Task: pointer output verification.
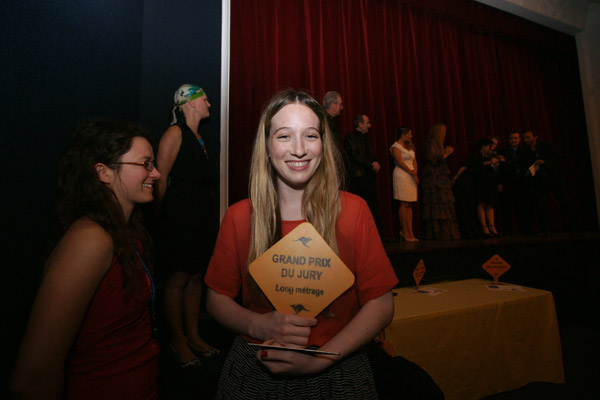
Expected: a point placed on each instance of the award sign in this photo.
(301, 274)
(418, 272)
(496, 266)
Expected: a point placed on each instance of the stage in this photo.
(565, 264)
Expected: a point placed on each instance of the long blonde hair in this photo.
(321, 203)
(438, 133)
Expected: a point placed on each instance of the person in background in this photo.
(405, 180)
(362, 166)
(439, 215)
(511, 178)
(295, 177)
(189, 220)
(540, 162)
(494, 152)
(481, 169)
(89, 334)
(333, 106)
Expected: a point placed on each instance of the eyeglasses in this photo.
(148, 164)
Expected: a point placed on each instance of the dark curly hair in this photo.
(81, 193)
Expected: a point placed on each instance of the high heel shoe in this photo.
(193, 363)
(485, 234)
(211, 352)
(402, 238)
(493, 231)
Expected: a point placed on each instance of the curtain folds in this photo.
(481, 71)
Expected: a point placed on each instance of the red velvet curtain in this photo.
(479, 70)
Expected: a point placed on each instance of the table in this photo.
(475, 342)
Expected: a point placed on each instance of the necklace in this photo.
(203, 146)
(152, 288)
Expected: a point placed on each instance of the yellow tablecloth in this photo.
(475, 342)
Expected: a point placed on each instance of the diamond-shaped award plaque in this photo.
(418, 272)
(301, 274)
(496, 267)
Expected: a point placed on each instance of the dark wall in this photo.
(61, 62)
(181, 43)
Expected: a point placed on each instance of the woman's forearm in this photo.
(230, 314)
(370, 320)
(286, 329)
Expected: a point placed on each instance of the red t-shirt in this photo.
(359, 246)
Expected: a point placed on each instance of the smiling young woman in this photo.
(89, 334)
(133, 183)
(295, 177)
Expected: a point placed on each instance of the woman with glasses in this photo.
(89, 335)
(189, 220)
(295, 177)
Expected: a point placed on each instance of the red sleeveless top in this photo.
(114, 355)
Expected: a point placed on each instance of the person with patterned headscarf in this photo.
(188, 218)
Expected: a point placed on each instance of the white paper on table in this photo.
(430, 291)
(504, 288)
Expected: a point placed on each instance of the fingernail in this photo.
(264, 354)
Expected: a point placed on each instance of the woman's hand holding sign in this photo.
(285, 362)
(285, 329)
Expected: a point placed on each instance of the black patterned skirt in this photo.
(243, 377)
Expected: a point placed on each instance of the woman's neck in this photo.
(127, 211)
(290, 204)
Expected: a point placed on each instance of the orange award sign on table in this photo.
(418, 272)
(496, 267)
(301, 274)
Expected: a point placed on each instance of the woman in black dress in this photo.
(189, 219)
(480, 170)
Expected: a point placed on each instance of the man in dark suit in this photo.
(362, 166)
(511, 178)
(540, 164)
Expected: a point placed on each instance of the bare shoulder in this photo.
(84, 243)
(171, 135)
(168, 148)
(73, 273)
(87, 230)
